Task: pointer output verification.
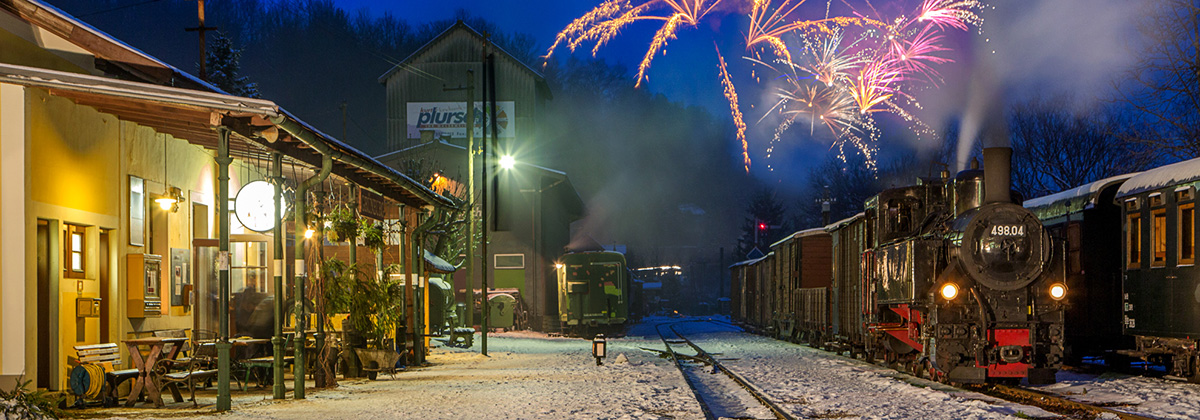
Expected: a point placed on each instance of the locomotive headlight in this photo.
(949, 291)
(1058, 291)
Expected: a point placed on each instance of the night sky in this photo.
(1026, 47)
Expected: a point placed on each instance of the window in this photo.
(510, 261)
(1158, 238)
(76, 246)
(1156, 200)
(1187, 233)
(1134, 240)
(137, 211)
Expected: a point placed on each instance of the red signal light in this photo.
(762, 226)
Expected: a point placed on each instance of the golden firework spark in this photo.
(605, 21)
(731, 96)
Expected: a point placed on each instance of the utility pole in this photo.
(202, 29)
(484, 307)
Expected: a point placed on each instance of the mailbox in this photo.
(87, 307)
(144, 282)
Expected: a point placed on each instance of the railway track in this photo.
(727, 396)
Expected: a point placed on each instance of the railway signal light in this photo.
(762, 226)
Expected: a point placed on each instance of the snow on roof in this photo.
(1073, 200)
(1175, 173)
(137, 90)
(438, 263)
(800, 234)
(838, 224)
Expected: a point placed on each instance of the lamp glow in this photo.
(949, 291)
(165, 203)
(507, 162)
(1058, 291)
(308, 233)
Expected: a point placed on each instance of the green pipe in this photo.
(224, 402)
(277, 388)
(298, 237)
(417, 330)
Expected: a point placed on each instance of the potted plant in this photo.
(377, 309)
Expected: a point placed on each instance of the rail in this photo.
(707, 358)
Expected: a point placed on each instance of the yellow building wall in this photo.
(82, 161)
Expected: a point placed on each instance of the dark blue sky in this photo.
(1029, 47)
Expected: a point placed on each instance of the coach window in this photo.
(1158, 238)
(1187, 226)
(1133, 234)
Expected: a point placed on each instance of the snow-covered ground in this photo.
(532, 376)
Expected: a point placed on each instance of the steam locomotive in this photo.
(948, 278)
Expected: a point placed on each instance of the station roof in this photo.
(171, 101)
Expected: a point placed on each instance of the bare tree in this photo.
(1055, 149)
(1163, 87)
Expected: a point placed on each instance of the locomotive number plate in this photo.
(1008, 230)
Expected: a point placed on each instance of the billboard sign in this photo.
(450, 118)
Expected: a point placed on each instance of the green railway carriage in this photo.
(593, 293)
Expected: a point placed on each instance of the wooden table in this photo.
(146, 382)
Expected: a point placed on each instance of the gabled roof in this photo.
(458, 26)
(130, 61)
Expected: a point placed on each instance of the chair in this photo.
(190, 373)
(186, 349)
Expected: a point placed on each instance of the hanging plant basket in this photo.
(343, 224)
(373, 237)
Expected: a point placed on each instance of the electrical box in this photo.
(144, 282)
(87, 307)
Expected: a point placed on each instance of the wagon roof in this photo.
(800, 234)
(1173, 174)
(838, 224)
(1073, 200)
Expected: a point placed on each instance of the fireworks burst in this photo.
(839, 84)
(606, 20)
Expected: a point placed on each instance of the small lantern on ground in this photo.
(599, 350)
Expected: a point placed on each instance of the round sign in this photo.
(254, 206)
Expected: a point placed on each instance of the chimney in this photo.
(997, 180)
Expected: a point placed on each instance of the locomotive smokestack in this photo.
(997, 179)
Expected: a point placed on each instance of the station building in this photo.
(532, 206)
(92, 133)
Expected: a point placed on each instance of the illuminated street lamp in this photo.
(507, 162)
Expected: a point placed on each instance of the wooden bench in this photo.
(106, 355)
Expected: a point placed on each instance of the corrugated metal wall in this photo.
(444, 65)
